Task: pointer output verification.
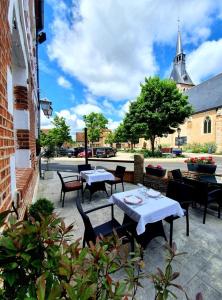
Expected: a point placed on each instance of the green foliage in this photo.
(95, 122)
(163, 280)
(159, 110)
(38, 262)
(56, 136)
(42, 207)
(110, 138)
(120, 135)
(200, 148)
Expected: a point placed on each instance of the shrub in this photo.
(42, 207)
(37, 261)
(200, 148)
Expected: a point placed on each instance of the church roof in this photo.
(180, 75)
(206, 95)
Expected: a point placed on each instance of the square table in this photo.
(95, 180)
(151, 211)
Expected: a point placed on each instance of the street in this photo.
(70, 164)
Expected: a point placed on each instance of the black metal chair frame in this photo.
(119, 173)
(105, 229)
(176, 190)
(65, 189)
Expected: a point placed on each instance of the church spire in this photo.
(179, 73)
(179, 42)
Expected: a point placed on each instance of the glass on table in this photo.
(143, 189)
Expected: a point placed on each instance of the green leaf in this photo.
(41, 286)
(55, 292)
(10, 278)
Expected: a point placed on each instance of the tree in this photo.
(95, 122)
(159, 109)
(57, 135)
(120, 134)
(110, 138)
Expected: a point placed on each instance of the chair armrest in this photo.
(97, 208)
(77, 176)
(217, 191)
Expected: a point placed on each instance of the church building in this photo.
(205, 124)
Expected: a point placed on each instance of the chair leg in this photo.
(60, 196)
(115, 186)
(187, 223)
(63, 199)
(171, 233)
(123, 186)
(205, 212)
(111, 189)
(82, 195)
(218, 211)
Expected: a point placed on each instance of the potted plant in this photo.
(204, 164)
(155, 171)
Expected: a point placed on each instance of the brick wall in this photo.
(6, 119)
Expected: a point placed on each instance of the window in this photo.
(207, 125)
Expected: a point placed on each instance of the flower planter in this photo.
(207, 168)
(192, 167)
(202, 168)
(155, 172)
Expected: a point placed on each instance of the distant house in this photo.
(80, 138)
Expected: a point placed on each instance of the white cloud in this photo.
(45, 122)
(64, 82)
(205, 61)
(124, 109)
(75, 123)
(85, 109)
(108, 45)
(113, 124)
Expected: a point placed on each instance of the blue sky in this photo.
(98, 52)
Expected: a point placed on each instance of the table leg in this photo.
(95, 187)
(152, 230)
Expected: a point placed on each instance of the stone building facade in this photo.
(205, 124)
(20, 21)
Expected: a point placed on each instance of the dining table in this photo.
(95, 180)
(144, 209)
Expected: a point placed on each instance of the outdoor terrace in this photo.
(200, 267)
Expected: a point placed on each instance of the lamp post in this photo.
(178, 136)
(46, 106)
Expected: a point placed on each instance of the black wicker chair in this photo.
(69, 186)
(204, 194)
(177, 175)
(105, 229)
(183, 193)
(119, 175)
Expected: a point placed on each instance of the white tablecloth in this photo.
(96, 175)
(149, 211)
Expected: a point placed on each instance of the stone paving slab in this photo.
(200, 267)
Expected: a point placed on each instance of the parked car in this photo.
(75, 151)
(82, 154)
(105, 152)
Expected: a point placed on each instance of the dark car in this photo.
(75, 151)
(105, 152)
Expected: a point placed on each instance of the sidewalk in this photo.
(200, 268)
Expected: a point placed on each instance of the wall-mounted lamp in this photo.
(46, 107)
(41, 37)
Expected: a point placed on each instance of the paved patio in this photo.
(201, 267)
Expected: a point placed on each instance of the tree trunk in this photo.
(152, 142)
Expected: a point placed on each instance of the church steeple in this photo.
(179, 73)
(179, 44)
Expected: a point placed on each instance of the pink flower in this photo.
(150, 166)
(159, 167)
